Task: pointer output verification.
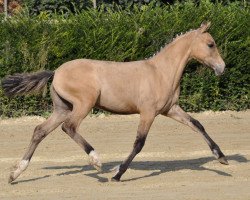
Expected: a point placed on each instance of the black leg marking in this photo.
(138, 145)
(70, 129)
(213, 146)
(197, 124)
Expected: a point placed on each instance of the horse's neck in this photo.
(172, 59)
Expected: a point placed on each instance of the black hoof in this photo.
(114, 179)
(11, 179)
(223, 160)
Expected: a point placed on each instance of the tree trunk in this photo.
(5, 8)
(94, 3)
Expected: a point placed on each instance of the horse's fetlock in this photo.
(217, 152)
(122, 168)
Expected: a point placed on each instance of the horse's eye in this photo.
(210, 45)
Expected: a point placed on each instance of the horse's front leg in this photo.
(179, 115)
(145, 123)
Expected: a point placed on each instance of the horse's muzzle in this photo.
(219, 69)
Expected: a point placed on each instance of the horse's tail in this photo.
(22, 84)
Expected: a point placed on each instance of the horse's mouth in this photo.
(218, 70)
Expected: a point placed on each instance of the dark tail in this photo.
(22, 84)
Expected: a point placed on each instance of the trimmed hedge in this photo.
(31, 43)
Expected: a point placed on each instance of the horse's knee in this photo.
(69, 128)
(139, 143)
(197, 124)
(39, 134)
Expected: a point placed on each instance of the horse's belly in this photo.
(117, 105)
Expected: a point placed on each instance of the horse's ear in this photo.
(205, 26)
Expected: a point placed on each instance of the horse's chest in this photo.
(167, 100)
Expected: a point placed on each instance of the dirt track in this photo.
(174, 164)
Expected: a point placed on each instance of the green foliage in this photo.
(56, 6)
(31, 43)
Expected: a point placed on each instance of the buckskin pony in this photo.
(148, 87)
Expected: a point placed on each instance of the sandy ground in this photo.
(174, 164)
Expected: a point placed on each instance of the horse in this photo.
(148, 87)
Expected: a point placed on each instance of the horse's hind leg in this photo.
(71, 125)
(181, 116)
(41, 131)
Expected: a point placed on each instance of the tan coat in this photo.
(148, 87)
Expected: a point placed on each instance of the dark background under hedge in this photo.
(45, 41)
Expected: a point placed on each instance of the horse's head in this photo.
(205, 51)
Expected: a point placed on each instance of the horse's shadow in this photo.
(158, 167)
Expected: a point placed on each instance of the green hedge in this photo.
(31, 43)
